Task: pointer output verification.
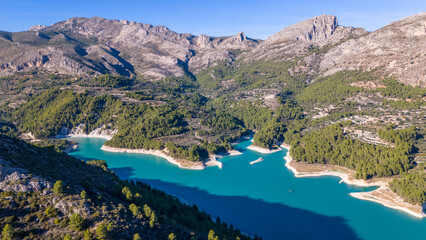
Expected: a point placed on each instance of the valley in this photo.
(337, 97)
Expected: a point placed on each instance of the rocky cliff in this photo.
(297, 39)
(79, 46)
(399, 49)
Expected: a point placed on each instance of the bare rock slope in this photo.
(297, 39)
(81, 45)
(398, 48)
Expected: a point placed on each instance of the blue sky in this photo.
(258, 19)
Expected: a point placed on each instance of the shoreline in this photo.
(390, 200)
(394, 201)
(107, 134)
(158, 153)
(107, 137)
(263, 150)
(383, 195)
(184, 164)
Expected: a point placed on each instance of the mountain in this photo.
(79, 46)
(298, 38)
(398, 49)
(337, 95)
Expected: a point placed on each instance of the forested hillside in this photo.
(276, 90)
(88, 201)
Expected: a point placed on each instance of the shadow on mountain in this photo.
(255, 216)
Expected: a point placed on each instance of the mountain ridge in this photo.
(78, 46)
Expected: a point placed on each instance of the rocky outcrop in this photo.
(37, 27)
(399, 49)
(320, 45)
(19, 180)
(101, 132)
(81, 45)
(299, 38)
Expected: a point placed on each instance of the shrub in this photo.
(7, 233)
(102, 231)
(137, 237)
(58, 187)
(77, 222)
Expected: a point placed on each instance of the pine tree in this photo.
(212, 235)
(58, 187)
(83, 194)
(153, 220)
(102, 231)
(7, 233)
(134, 209)
(137, 237)
(172, 236)
(88, 235)
(77, 222)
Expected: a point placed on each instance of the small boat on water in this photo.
(256, 161)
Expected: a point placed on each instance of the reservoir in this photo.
(265, 198)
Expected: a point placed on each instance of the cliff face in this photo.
(81, 45)
(398, 48)
(298, 38)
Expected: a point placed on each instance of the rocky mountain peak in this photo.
(398, 48)
(314, 30)
(37, 27)
(300, 37)
(80, 45)
(241, 36)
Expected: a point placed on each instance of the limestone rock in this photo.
(398, 48)
(298, 38)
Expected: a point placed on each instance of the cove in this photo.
(265, 198)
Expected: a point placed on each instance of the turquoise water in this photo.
(265, 198)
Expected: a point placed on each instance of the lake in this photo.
(265, 198)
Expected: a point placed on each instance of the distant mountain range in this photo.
(79, 46)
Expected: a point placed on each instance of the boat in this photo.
(256, 161)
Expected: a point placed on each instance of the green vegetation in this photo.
(87, 235)
(249, 76)
(172, 236)
(400, 90)
(138, 95)
(212, 236)
(137, 237)
(102, 231)
(67, 237)
(331, 146)
(399, 136)
(7, 232)
(77, 222)
(193, 116)
(411, 186)
(112, 81)
(333, 88)
(118, 209)
(45, 115)
(58, 188)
